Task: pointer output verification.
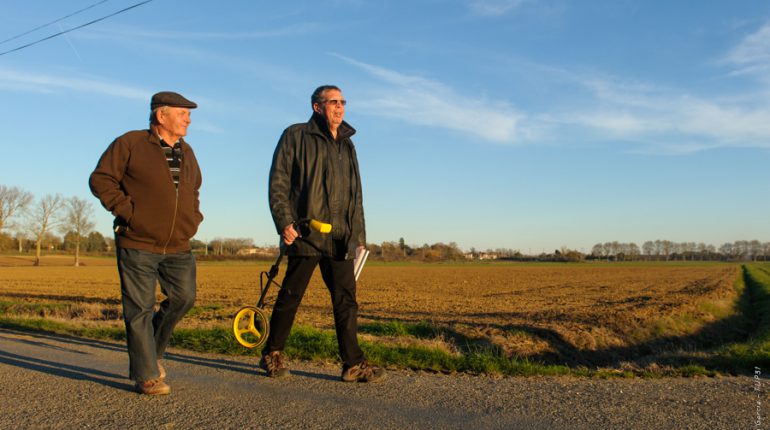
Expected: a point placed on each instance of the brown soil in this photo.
(547, 311)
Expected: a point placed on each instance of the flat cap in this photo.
(169, 98)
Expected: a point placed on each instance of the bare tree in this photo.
(727, 249)
(633, 251)
(648, 248)
(42, 219)
(12, 201)
(608, 250)
(597, 250)
(702, 250)
(755, 249)
(77, 220)
(667, 247)
(230, 246)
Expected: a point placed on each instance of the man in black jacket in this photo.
(315, 175)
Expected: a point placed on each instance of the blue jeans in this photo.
(149, 331)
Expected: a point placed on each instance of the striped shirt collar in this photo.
(163, 142)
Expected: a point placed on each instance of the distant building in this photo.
(481, 256)
(256, 252)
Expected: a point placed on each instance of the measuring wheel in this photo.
(251, 326)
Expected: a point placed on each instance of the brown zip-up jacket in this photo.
(132, 180)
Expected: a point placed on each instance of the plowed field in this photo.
(583, 313)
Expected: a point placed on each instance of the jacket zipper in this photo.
(176, 203)
(332, 147)
(173, 221)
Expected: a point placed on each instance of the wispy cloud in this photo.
(681, 121)
(653, 117)
(494, 7)
(592, 106)
(671, 119)
(18, 80)
(421, 101)
(752, 54)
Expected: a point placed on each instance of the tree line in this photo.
(28, 224)
(35, 220)
(665, 250)
(400, 251)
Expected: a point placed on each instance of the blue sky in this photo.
(518, 124)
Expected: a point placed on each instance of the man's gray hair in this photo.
(154, 115)
(317, 96)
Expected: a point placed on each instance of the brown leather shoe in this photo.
(362, 372)
(153, 387)
(274, 365)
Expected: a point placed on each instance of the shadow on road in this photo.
(44, 340)
(63, 338)
(64, 370)
(245, 367)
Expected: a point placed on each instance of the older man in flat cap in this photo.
(149, 180)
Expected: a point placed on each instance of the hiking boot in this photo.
(274, 365)
(162, 371)
(362, 372)
(153, 387)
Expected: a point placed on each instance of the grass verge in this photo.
(306, 343)
(755, 351)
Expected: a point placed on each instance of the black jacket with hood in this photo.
(302, 186)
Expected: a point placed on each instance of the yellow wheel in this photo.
(251, 327)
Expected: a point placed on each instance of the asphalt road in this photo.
(51, 381)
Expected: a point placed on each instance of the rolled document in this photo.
(358, 262)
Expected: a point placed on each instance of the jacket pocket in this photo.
(186, 229)
(187, 221)
(143, 226)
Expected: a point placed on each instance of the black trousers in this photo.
(339, 279)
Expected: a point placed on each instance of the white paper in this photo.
(359, 261)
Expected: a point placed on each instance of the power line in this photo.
(53, 22)
(75, 28)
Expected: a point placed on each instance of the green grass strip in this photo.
(422, 330)
(755, 304)
(307, 343)
(32, 308)
(57, 327)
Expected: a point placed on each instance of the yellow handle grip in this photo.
(319, 226)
